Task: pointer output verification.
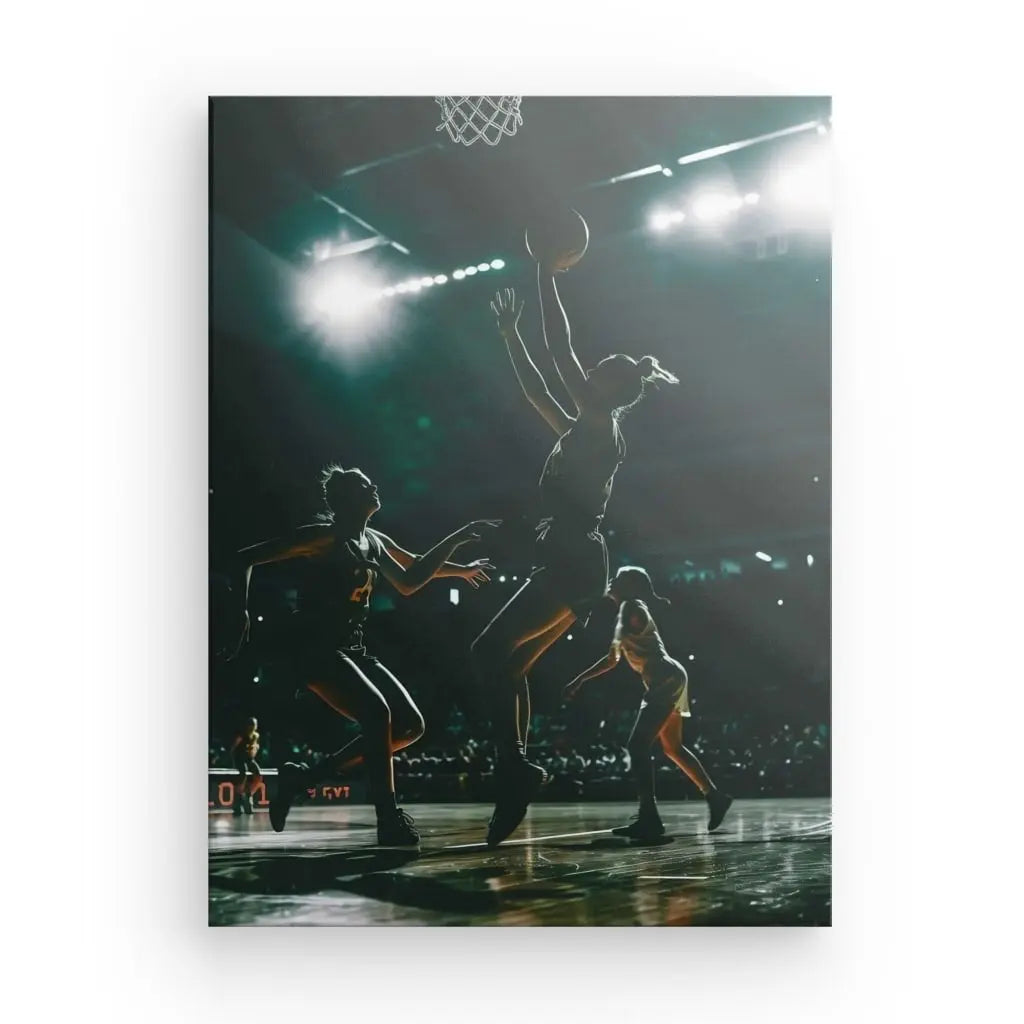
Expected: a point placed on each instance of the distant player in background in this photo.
(665, 704)
(244, 749)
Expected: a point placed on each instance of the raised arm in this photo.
(408, 580)
(531, 380)
(557, 338)
(473, 572)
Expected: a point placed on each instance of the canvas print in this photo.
(519, 511)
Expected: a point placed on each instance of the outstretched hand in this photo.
(475, 572)
(474, 531)
(507, 311)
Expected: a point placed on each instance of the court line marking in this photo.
(534, 839)
(680, 878)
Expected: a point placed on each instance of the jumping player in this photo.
(570, 574)
(344, 560)
(244, 749)
(665, 704)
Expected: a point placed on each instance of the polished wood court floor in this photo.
(769, 864)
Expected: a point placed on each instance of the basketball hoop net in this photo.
(468, 118)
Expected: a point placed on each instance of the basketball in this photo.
(559, 240)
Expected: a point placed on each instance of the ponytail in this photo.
(651, 370)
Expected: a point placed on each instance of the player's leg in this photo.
(537, 612)
(647, 822)
(407, 723)
(252, 781)
(671, 736)
(515, 638)
(343, 687)
(351, 692)
(524, 660)
(238, 808)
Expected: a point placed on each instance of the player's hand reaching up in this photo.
(474, 530)
(507, 311)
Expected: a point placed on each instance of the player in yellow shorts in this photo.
(665, 704)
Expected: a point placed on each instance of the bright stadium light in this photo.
(441, 279)
(568, 636)
(779, 602)
(255, 679)
(691, 657)
(401, 287)
(338, 294)
(427, 282)
(458, 274)
(713, 206)
(762, 556)
(389, 291)
(501, 579)
(497, 264)
(470, 271)
(453, 596)
(415, 286)
(804, 182)
(667, 171)
(483, 266)
(810, 560)
(259, 618)
(751, 198)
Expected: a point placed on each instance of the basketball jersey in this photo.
(645, 651)
(335, 591)
(576, 481)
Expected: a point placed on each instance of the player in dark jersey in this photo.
(344, 561)
(570, 573)
(244, 749)
(666, 703)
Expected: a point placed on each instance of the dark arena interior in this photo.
(355, 251)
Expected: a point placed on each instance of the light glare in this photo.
(715, 205)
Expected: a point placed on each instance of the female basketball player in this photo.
(344, 560)
(244, 748)
(663, 708)
(570, 574)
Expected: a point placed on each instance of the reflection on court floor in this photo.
(769, 864)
